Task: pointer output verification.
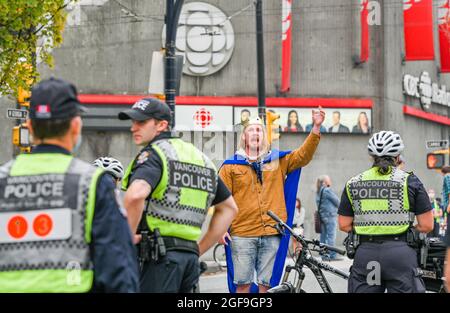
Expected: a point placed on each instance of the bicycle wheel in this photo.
(220, 256)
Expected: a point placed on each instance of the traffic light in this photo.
(436, 160)
(21, 137)
(23, 97)
(272, 127)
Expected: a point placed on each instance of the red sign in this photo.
(364, 52)
(286, 45)
(203, 118)
(418, 27)
(444, 36)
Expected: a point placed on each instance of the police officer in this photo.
(61, 229)
(169, 187)
(379, 205)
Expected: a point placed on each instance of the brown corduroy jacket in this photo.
(255, 199)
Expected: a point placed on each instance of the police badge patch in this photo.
(143, 157)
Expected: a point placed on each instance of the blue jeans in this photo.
(252, 254)
(328, 232)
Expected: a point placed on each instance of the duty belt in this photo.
(382, 238)
(178, 244)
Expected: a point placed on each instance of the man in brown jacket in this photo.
(258, 187)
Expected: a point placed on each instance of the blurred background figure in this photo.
(337, 126)
(437, 213)
(298, 223)
(362, 124)
(293, 125)
(327, 204)
(446, 189)
(245, 116)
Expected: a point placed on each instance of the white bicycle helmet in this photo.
(110, 165)
(385, 143)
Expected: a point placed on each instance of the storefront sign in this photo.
(423, 89)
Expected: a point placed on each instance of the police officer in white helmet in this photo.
(379, 205)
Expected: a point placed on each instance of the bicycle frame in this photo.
(316, 267)
(306, 259)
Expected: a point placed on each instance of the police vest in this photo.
(380, 202)
(46, 211)
(179, 203)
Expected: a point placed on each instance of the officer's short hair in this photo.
(45, 129)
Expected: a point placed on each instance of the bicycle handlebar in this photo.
(274, 217)
(331, 248)
(313, 242)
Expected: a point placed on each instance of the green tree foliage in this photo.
(29, 29)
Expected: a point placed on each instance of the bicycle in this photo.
(219, 256)
(305, 258)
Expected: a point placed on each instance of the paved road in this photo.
(217, 282)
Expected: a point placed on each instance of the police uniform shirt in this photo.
(419, 201)
(112, 250)
(149, 166)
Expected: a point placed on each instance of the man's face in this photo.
(244, 116)
(336, 118)
(144, 131)
(254, 136)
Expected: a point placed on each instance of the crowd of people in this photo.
(149, 238)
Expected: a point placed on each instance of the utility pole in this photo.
(260, 61)
(173, 10)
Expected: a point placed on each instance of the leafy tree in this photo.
(29, 30)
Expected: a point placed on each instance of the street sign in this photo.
(433, 144)
(17, 114)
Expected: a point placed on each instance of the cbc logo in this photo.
(205, 38)
(203, 118)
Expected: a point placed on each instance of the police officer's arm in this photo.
(425, 222)
(145, 178)
(224, 213)
(345, 211)
(420, 204)
(134, 202)
(112, 249)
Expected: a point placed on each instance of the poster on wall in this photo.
(356, 121)
(204, 118)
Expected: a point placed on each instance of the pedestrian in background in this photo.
(298, 222)
(437, 213)
(327, 204)
(446, 189)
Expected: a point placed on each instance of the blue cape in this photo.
(290, 194)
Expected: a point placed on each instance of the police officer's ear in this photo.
(162, 125)
(76, 125)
